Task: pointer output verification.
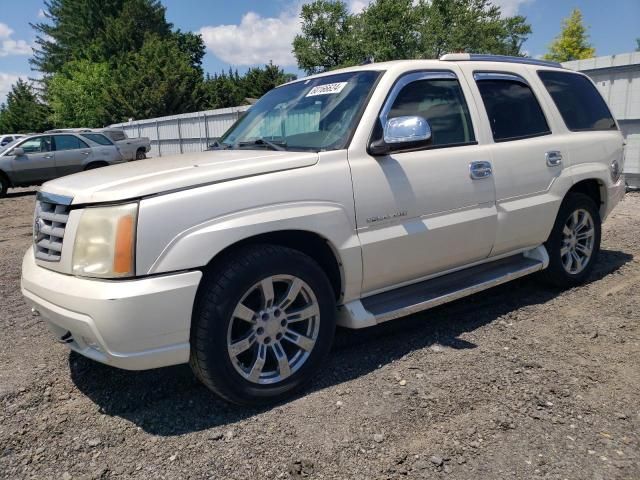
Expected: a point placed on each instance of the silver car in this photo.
(35, 159)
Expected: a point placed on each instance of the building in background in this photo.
(618, 78)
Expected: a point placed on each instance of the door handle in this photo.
(86, 153)
(48, 156)
(480, 169)
(554, 158)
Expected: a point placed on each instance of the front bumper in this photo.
(132, 324)
(615, 194)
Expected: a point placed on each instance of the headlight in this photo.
(105, 242)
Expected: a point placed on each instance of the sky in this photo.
(243, 33)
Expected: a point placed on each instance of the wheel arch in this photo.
(595, 189)
(312, 244)
(96, 164)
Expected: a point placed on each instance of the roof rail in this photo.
(480, 57)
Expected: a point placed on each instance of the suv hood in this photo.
(160, 175)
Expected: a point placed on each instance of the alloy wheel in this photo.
(273, 329)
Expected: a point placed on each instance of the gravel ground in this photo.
(517, 382)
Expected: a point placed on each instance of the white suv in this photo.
(347, 198)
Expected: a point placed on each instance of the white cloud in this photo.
(41, 14)
(510, 7)
(9, 46)
(5, 31)
(6, 80)
(255, 40)
(356, 6)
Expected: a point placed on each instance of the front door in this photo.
(422, 212)
(37, 164)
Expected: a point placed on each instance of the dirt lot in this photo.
(519, 382)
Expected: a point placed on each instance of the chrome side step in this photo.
(447, 288)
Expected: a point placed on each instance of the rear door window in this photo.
(579, 102)
(513, 109)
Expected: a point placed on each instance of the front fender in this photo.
(196, 246)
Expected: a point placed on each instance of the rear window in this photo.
(98, 138)
(513, 110)
(580, 104)
(116, 136)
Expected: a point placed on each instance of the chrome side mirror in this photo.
(18, 151)
(407, 130)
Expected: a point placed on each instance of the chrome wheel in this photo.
(273, 329)
(578, 236)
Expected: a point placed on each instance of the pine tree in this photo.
(573, 41)
(23, 111)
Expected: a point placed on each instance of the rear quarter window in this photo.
(578, 100)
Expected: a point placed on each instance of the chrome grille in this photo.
(52, 214)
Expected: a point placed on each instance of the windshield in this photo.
(315, 114)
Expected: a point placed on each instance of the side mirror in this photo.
(402, 133)
(18, 151)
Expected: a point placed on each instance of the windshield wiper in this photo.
(280, 146)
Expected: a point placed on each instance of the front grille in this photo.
(52, 214)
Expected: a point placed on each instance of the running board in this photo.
(430, 293)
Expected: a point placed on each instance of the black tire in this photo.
(93, 166)
(221, 290)
(4, 186)
(141, 154)
(556, 274)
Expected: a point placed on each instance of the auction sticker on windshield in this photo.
(326, 89)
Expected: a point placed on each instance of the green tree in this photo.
(231, 89)
(109, 60)
(328, 37)
(638, 44)
(398, 29)
(78, 94)
(573, 41)
(155, 81)
(23, 111)
(95, 30)
(258, 81)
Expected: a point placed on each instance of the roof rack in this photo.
(477, 57)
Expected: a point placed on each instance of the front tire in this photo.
(4, 186)
(262, 326)
(574, 243)
(141, 154)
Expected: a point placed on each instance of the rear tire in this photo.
(262, 326)
(141, 154)
(574, 243)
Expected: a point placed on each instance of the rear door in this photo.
(72, 154)
(526, 157)
(37, 165)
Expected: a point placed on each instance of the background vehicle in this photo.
(131, 148)
(349, 198)
(7, 139)
(35, 159)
